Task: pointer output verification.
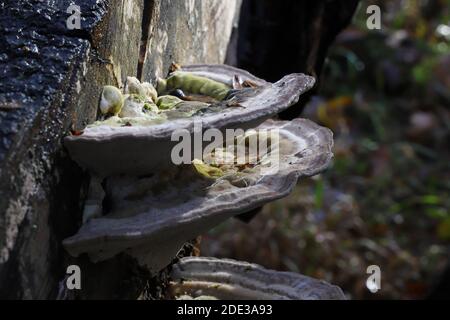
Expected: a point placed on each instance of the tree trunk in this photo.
(276, 38)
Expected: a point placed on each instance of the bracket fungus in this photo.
(211, 278)
(124, 144)
(151, 216)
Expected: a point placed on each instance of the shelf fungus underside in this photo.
(128, 141)
(225, 279)
(152, 216)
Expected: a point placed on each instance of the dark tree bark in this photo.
(50, 77)
(50, 80)
(276, 38)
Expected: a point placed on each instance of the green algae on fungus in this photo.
(167, 102)
(129, 139)
(111, 100)
(241, 162)
(194, 84)
(144, 89)
(186, 109)
(206, 170)
(140, 104)
(133, 106)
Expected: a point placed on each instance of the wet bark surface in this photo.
(41, 60)
(50, 80)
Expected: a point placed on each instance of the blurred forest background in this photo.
(385, 199)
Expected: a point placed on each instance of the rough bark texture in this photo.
(42, 62)
(50, 79)
(187, 32)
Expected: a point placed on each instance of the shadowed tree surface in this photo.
(276, 38)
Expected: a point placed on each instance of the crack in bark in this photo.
(147, 16)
